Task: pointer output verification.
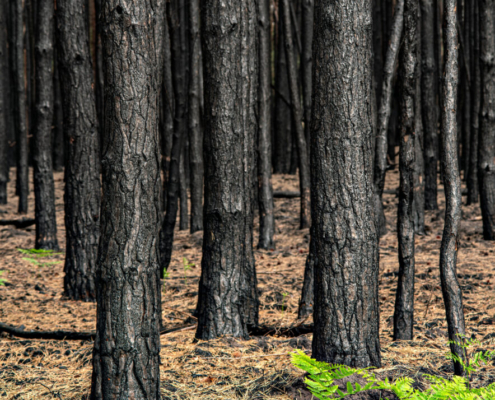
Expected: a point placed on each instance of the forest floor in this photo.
(226, 368)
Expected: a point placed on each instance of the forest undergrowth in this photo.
(228, 368)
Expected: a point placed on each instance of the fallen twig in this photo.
(18, 223)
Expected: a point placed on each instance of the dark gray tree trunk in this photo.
(4, 101)
(265, 189)
(378, 56)
(346, 309)
(21, 103)
(228, 299)
(98, 67)
(451, 290)
(58, 119)
(126, 355)
(302, 152)
(429, 105)
(306, 303)
(384, 112)
(404, 302)
(472, 180)
(184, 209)
(465, 92)
(82, 171)
(486, 158)
(307, 22)
(194, 119)
(44, 190)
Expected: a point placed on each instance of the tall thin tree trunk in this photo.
(58, 119)
(21, 104)
(194, 119)
(307, 18)
(429, 105)
(306, 303)
(381, 145)
(404, 302)
(184, 207)
(465, 53)
(126, 355)
(451, 290)
(486, 158)
(4, 101)
(265, 189)
(346, 309)
(302, 152)
(228, 298)
(82, 171)
(44, 190)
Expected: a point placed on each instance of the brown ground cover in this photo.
(228, 368)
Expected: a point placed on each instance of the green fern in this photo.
(2, 281)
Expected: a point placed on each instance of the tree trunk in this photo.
(4, 101)
(404, 302)
(472, 180)
(429, 92)
(307, 62)
(306, 303)
(302, 152)
(21, 104)
(384, 113)
(486, 159)
(228, 299)
(44, 190)
(265, 189)
(194, 120)
(451, 290)
(184, 209)
(82, 172)
(58, 119)
(126, 355)
(466, 82)
(99, 84)
(346, 309)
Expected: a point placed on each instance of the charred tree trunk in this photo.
(21, 104)
(346, 311)
(265, 189)
(466, 82)
(82, 171)
(194, 120)
(4, 101)
(451, 290)
(307, 18)
(228, 299)
(429, 107)
(486, 158)
(306, 303)
(404, 302)
(44, 190)
(472, 180)
(302, 152)
(99, 86)
(381, 145)
(58, 119)
(184, 209)
(126, 355)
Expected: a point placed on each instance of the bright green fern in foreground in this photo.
(321, 379)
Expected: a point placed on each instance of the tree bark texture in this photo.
(306, 303)
(21, 104)
(429, 106)
(404, 302)
(346, 309)
(184, 207)
(44, 190)
(465, 92)
(82, 171)
(486, 158)
(472, 179)
(384, 112)
(194, 119)
(4, 101)
(58, 119)
(307, 23)
(228, 299)
(126, 355)
(265, 189)
(302, 152)
(451, 290)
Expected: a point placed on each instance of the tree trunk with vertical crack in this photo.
(44, 190)
(82, 171)
(228, 298)
(346, 309)
(126, 355)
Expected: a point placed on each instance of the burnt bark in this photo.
(404, 302)
(21, 104)
(82, 171)
(184, 209)
(58, 119)
(265, 189)
(381, 141)
(451, 290)
(306, 303)
(302, 152)
(429, 105)
(98, 67)
(4, 101)
(44, 190)
(346, 309)
(486, 157)
(228, 299)
(307, 22)
(194, 120)
(472, 179)
(126, 355)
(465, 83)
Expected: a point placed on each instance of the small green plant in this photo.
(284, 295)
(2, 281)
(186, 266)
(321, 377)
(166, 274)
(37, 254)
